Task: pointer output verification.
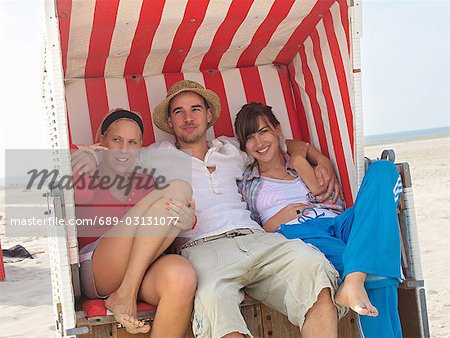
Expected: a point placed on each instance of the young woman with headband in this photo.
(122, 260)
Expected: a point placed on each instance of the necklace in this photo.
(272, 176)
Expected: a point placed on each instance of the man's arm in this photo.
(144, 158)
(247, 160)
(324, 170)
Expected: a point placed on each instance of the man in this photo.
(229, 251)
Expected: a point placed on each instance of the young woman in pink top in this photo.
(121, 252)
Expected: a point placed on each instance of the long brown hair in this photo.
(246, 122)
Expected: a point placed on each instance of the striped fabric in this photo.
(115, 38)
(89, 100)
(292, 55)
(322, 85)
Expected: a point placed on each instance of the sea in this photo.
(406, 136)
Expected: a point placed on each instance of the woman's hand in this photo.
(185, 213)
(285, 215)
(85, 159)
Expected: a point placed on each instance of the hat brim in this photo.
(161, 115)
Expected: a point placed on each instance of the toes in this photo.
(132, 328)
(373, 312)
(139, 327)
(145, 328)
(370, 311)
(122, 318)
(360, 310)
(132, 324)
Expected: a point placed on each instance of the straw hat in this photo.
(160, 113)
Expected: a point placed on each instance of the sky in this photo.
(405, 69)
(405, 65)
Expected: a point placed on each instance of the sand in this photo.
(26, 300)
(26, 308)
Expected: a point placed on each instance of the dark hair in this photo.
(246, 122)
(118, 114)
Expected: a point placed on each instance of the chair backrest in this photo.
(89, 100)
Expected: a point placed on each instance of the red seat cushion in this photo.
(96, 307)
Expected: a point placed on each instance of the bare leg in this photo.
(170, 283)
(123, 256)
(352, 294)
(321, 320)
(117, 299)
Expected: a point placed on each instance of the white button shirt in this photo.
(219, 206)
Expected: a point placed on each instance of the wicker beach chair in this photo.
(300, 57)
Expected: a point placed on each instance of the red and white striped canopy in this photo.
(292, 55)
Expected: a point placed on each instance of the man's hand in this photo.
(324, 171)
(327, 180)
(295, 148)
(85, 159)
(297, 156)
(185, 213)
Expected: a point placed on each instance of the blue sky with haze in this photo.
(405, 65)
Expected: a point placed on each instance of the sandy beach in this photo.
(26, 299)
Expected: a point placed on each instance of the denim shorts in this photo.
(87, 280)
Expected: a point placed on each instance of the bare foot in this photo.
(125, 312)
(352, 294)
(132, 324)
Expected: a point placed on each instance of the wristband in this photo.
(195, 223)
(95, 156)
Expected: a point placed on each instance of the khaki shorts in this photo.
(287, 275)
